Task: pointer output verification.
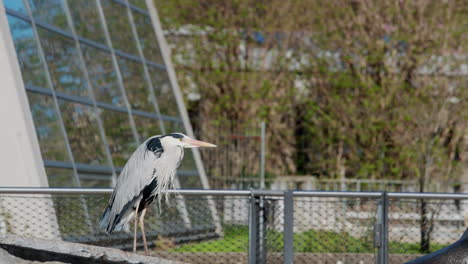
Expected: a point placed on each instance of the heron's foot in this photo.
(146, 249)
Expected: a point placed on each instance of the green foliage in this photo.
(318, 241)
(236, 239)
(411, 248)
(365, 110)
(312, 241)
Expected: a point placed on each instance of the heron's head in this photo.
(181, 140)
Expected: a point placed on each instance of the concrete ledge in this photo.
(34, 249)
(6, 258)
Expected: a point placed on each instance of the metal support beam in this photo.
(166, 54)
(257, 229)
(288, 227)
(262, 221)
(253, 216)
(262, 156)
(381, 230)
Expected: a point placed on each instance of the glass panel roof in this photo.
(48, 129)
(135, 85)
(83, 133)
(86, 20)
(119, 136)
(32, 68)
(96, 82)
(97, 78)
(50, 12)
(63, 63)
(102, 76)
(119, 27)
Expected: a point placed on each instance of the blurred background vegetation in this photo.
(348, 89)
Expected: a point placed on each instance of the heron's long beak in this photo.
(197, 143)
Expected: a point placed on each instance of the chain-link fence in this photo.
(221, 226)
(236, 162)
(420, 226)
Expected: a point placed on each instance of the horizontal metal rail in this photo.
(246, 193)
(413, 195)
(33, 190)
(339, 194)
(39, 190)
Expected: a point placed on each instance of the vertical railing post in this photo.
(262, 155)
(257, 229)
(253, 216)
(288, 227)
(381, 230)
(262, 218)
(385, 227)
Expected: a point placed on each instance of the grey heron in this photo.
(149, 171)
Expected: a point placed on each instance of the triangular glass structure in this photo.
(98, 85)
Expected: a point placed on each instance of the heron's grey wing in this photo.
(137, 173)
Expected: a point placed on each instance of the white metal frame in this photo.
(20, 155)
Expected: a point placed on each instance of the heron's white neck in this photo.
(166, 167)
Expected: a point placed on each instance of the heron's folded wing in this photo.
(137, 173)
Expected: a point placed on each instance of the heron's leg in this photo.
(142, 226)
(135, 228)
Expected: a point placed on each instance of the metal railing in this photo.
(257, 226)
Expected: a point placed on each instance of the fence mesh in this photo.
(269, 229)
(235, 163)
(186, 230)
(325, 230)
(418, 227)
(334, 230)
